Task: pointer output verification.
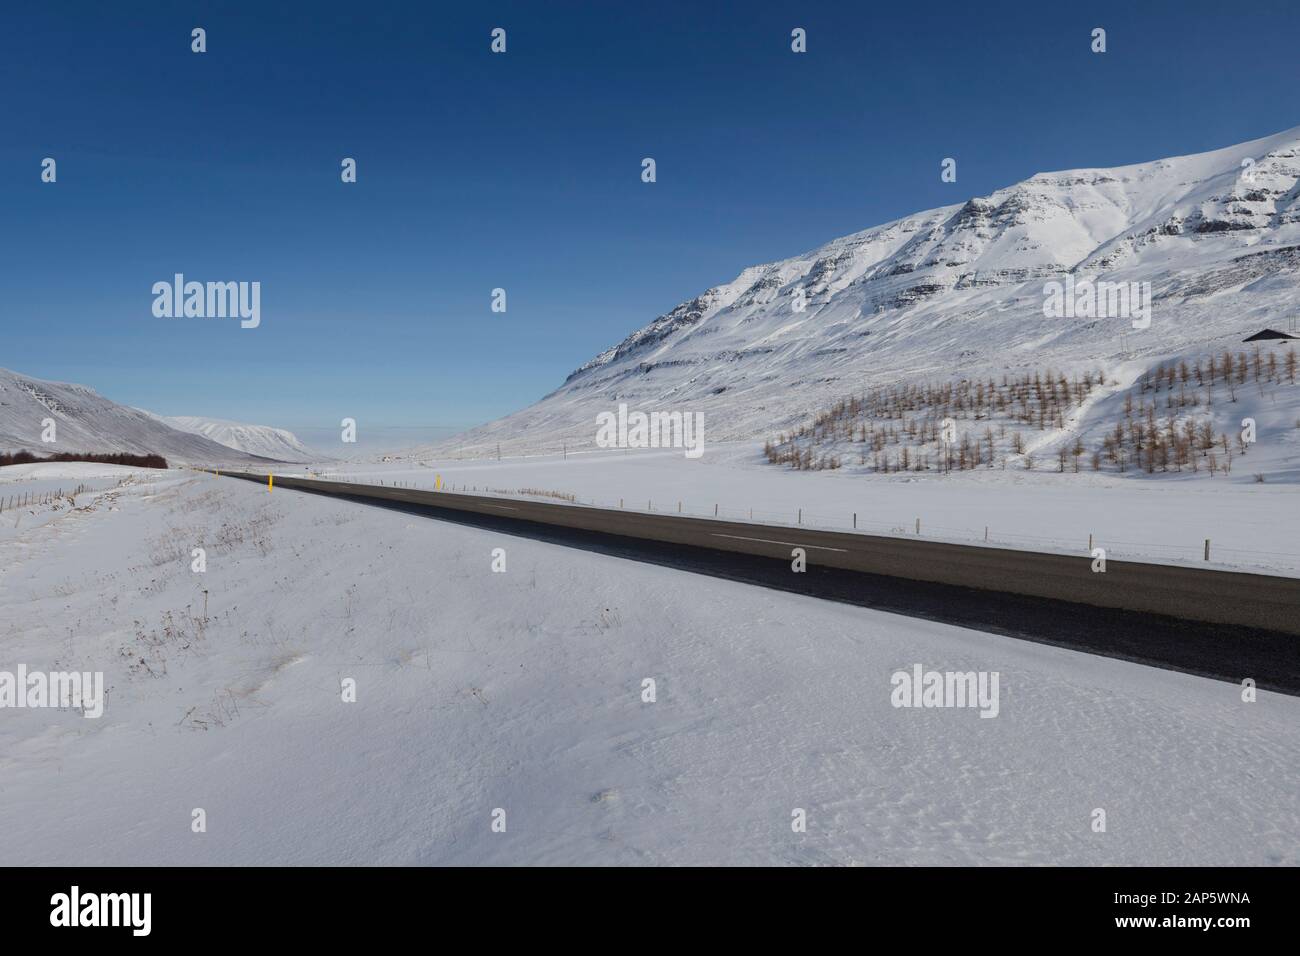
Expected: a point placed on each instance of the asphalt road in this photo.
(1223, 624)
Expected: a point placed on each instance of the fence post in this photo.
(918, 525)
(1207, 549)
(800, 516)
(855, 521)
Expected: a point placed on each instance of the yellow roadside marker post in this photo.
(270, 481)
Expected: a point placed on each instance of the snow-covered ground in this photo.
(42, 492)
(522, 691)
(1253, 527)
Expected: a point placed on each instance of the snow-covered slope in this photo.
(522, 693)
(260, 440)
(85, 421)
(959, 291)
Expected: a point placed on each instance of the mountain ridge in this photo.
(265, 441)
(85, 421)
(954, 287)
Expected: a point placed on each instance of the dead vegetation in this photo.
(1166, 424)
(902, 427)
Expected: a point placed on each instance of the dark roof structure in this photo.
(1269, 334)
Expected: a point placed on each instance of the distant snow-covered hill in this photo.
(958, 292)
(261, 440)
(85, 421)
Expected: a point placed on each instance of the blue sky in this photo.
(522, 171)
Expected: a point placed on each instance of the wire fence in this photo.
(37, 498)
(1200, 551)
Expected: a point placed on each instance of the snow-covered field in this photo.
(42, 492)
(522, 691)
(1253, 527)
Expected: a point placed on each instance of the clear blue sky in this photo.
(523, 170)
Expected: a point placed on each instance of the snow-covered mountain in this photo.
(85, 421)
(261, 440)
(959, 291)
